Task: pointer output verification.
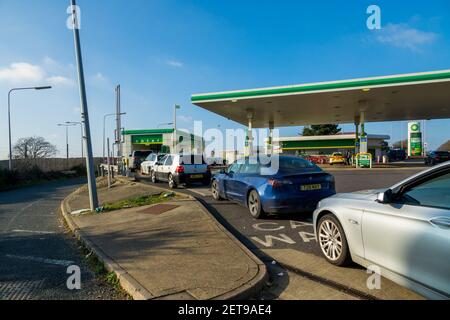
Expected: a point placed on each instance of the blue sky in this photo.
(163, 51)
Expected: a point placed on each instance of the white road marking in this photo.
(268, 243)
(22, 210)
(64, 263)
(299, 224)
(265, 226)
(32, 231)
(307, 237)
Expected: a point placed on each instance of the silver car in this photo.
(404, 230)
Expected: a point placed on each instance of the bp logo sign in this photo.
(415, 127)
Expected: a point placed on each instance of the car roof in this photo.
(445, 165)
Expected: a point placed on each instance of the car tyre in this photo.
(172, 183)
(254, 205)
(215, 191)
(154, 179)
(332, 241)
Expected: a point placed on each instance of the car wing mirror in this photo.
(385, 197)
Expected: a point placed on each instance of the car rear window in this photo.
(192, 159)
(292, 163)
(142, 154)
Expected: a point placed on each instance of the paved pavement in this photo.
(279, 235)
(171, 250)
(35, 249)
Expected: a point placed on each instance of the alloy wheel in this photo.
(171, 182)
(330, 240)
(215, 190)
(253, 203)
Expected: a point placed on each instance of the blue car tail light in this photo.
(278, 183)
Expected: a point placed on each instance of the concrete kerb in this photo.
(127, 282)
(139, 292)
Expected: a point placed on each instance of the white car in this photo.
(404, 230)
(149, 163)
(181, 170)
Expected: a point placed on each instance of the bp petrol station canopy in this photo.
(418, 96)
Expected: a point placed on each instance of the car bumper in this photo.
(186, 178)
(295, 204)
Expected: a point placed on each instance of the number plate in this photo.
(311, 187)
(196, 176)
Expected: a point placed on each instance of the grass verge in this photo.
(101, 273)
(138, 202)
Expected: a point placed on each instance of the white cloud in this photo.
(183, 118)
(404, 36)
(50, 61)
(175, 63)
(60, 80)
(100, 76)
(20, 72)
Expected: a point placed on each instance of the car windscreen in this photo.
(442, 153)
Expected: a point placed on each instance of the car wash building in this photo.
(327, 145)
(160, 141)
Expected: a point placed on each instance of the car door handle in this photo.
(441, 222)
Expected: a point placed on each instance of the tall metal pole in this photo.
(81, 129)
(118, 123)
(9, 129)
(175, 128)
(82, 140)
(67, 142)
(9, 117)
(104, 132)
(109, 167)
(93, 198)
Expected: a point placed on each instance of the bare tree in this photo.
(34, 148)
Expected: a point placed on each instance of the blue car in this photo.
(287, 184)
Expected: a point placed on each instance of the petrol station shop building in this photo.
(160, 141)
(327, 145)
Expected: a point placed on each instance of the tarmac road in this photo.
(289, 240)
(36, 250)
(290, 231)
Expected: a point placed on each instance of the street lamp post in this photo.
(176, 107)
(82, 138)
(67, 125)
(104, 128)
(9, 115)
(92, 186)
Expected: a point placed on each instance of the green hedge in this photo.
(10, 179)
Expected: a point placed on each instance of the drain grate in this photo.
(159, 209)
(20, 290)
